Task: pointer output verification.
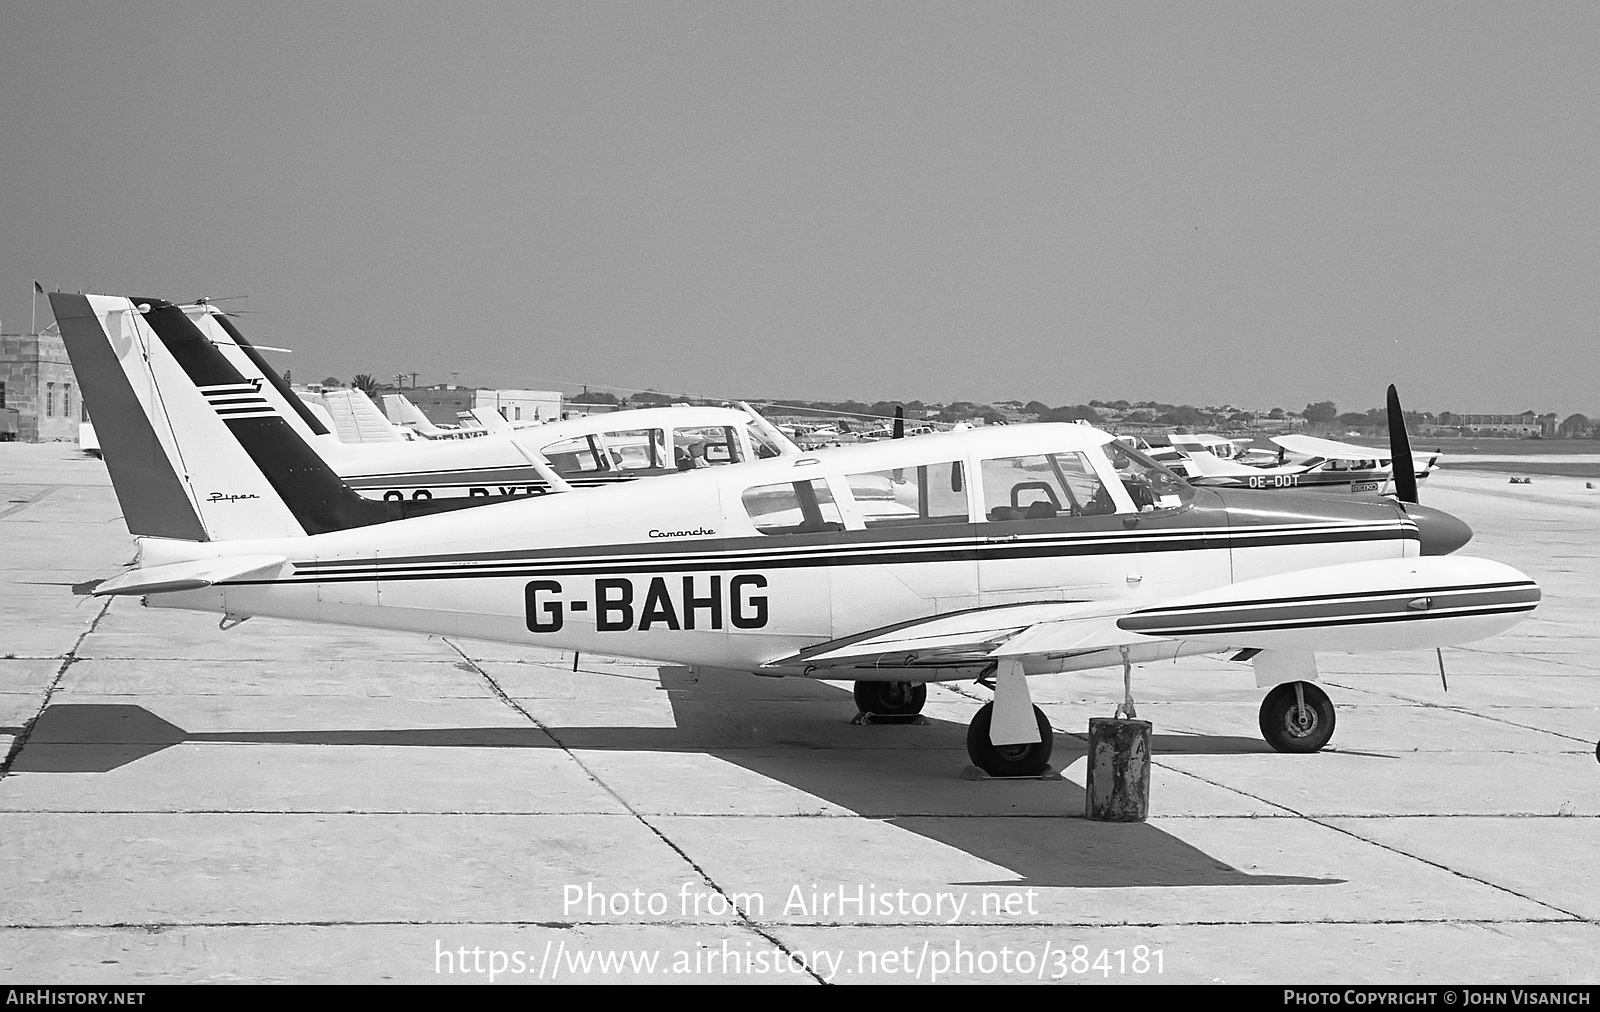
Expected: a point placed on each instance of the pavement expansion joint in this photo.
(68, 659)
(1323, 822)
(160, 926)
(642, 819)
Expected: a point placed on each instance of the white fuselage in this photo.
(692, 568)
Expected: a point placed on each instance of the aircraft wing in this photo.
(1312, 446)
(953, 640)
(1209, 465)
(1384, 604)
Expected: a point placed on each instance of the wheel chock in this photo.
(974, 773)
(889, 718)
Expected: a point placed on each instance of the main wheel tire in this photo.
(1008, 760)
(1288, 729)
(891, 699)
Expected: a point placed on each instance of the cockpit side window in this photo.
(1148, 484)
(799, 507)
(705, 446)
(763, 447)
(1041, 486)
(910, 496)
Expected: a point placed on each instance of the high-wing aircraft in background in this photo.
(1305, 462)
(988, 554)
(194, 352)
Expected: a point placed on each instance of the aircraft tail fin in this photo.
(152, 486)
(196, 453)
(490, 419)
(356, 419)
(250, 363)
(401, 411)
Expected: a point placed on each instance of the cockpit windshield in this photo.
(1149, 485)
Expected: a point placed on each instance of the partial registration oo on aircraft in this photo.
(989, 554)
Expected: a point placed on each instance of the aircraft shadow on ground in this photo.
(903, 775)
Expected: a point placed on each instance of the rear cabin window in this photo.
(911, 496)
(800, 507)
(1042, 486)
(581, 455)
(637, 449)
(705, 446)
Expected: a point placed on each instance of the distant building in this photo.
(36, 382)
(520, 405)
(445, 403)
(582, 409)
(1523, 425)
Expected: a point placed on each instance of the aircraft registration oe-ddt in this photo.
(1305, 462)
(988, 554)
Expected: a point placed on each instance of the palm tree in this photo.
(366, 384)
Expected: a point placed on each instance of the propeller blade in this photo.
(899, 422)
(1400, 462)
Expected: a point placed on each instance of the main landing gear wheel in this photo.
(1290, 727)
(891, 699)
(1008, 760)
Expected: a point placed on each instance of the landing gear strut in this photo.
(1025, 760)
(890, 699)
(1297, 717)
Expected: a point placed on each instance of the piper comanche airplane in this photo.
(988, 554)
(199, 348)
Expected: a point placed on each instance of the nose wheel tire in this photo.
(891, 699)
(1290, 727)
(1008, 760)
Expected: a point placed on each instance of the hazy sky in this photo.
(1265, 204)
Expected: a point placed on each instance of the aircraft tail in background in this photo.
(197, 451)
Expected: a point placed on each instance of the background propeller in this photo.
(1401, 463)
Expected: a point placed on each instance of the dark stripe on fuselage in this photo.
(823, 551)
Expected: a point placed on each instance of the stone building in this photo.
(36, 380)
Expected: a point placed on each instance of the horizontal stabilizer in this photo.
(191, 575)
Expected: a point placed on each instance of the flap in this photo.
(972, 637)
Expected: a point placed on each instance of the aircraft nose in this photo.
(1441, 533)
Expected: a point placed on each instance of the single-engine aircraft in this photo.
(1305, 462)
(200, 361)
(988, 554)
